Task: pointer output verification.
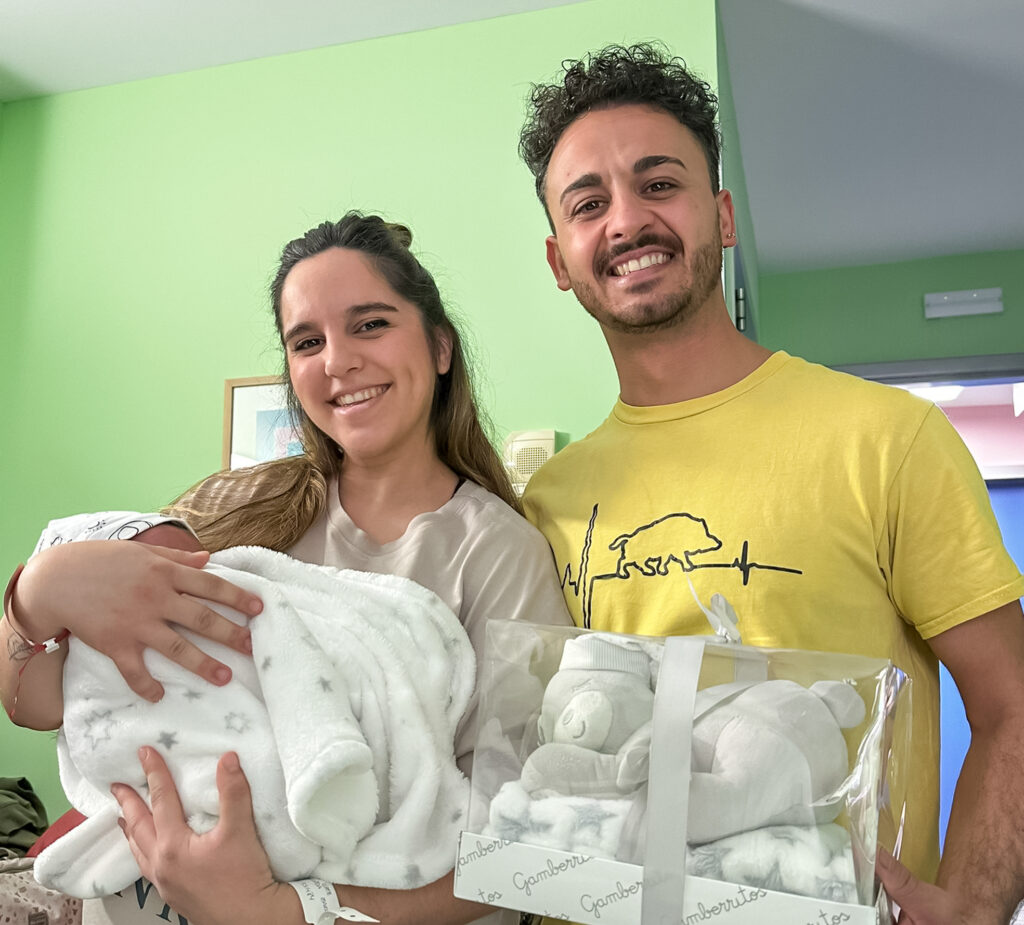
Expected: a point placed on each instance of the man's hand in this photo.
(219, 878)
(920, 903)
(123, 597)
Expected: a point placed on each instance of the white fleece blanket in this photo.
(805, 860)
(598, 826)
(808, 860)
(344, 721)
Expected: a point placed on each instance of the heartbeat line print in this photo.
(651, 549)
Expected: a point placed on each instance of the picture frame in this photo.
(257, 423)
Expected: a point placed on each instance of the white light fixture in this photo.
(1018, 399)
(936, 393)
(963, 302)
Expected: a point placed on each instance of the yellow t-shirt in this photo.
(834, 514)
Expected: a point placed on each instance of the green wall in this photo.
(875, 314)
(139, 226)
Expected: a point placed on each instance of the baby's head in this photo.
(171, 536)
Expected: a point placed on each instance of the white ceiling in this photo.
(879, 130)
(50, 46)
(871, 130)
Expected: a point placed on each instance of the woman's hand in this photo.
(219, 878)
(123, 597)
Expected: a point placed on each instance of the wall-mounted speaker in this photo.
(525, 452)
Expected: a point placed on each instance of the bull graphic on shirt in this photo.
(678, 541)
(652, 548)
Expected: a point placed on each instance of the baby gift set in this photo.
(623, 779)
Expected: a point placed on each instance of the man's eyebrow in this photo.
(655, 160)
(587, 181)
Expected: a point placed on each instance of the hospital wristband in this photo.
(320, 903)
(47, 645)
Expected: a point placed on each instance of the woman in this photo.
(397, 477)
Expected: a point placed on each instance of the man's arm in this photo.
(983, 857)
(982, 867)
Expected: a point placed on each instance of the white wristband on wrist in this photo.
(320, 903)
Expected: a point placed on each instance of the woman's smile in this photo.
(362, 397)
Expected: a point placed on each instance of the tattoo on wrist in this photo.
(18, 650)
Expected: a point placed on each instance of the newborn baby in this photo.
(343, 719)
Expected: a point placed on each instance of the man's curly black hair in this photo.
(617, 75)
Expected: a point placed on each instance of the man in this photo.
(834, 514)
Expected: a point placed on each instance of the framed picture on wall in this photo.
(257, 424)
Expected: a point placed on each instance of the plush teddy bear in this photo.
(595, 720)
(769, 753)
(763, 753)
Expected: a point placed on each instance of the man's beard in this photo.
(658, 314)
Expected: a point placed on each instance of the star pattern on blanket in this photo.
(193, 695)
(168, 740)
(325, 685)
(237, 722)
(265, 664)
(591, 816)
(98, 726)
(705, 861)
(517, 829)
(450, 644)
(774, 880)
(806, 860)
(780, 834)
(835, 890)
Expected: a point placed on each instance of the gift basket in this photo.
(625, 779)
